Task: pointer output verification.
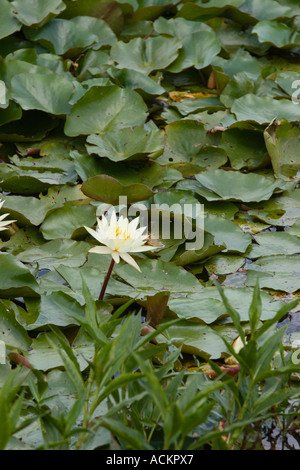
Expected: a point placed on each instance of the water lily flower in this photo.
(3, 223)
(120, 237)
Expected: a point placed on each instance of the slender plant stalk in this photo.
(106, 279)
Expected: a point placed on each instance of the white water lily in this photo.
(119, 237)
(4, 223)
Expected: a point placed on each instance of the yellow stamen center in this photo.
(124, 234)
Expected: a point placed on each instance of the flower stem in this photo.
(106, 279)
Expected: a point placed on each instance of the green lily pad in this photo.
(281, 272)
(107, 189)
(210, 8)
(274, 243)
(64, 221)
(11, 332)
(215, 120)
(206, 306)
(8, 22)
(196, 338)
(295, 229)
(189, 106)
(282, 142)
(46, 92)
(57, 309)
(93, 63)
(244, 148)
(238, 86)
(95, 8)
(239, 61)
(263, 109)
(286, 79)
(55, 253)
(191, 55)
(34, 11)
(146, 55)
(159, 276)
(233, 186)
(105, 108)
(29, 181)
(276, 33)
(224, 264)
(13, 112)
(63, 36)
(185, 148)
(43, 356)
(124, 143)
(22, 239)
(227, 233)
(134, 80)
(179, 28)
(26, 210)
(209, 248)
(280, 210)
(16, 279)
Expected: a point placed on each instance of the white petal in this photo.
(102, 224)
(6, 222)
(102, 250)
(113, 221)
(95, 234)
(123, 223)
(3, 215)
(111, 243)
(116, 256)
(125, 247)
(143, 248)
(134, 223)
(128, 259)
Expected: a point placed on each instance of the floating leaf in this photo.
(134, 80)
(57, 309)
(44, 357)
(146, 55)
(31, 12)
(159, 276)
(281, 210)
(280, 272)
(8, 22)
(64, 36)
(105, 108)
(274, 243)
(107, 189)
(16, 279)
(227, 233)
(124, 143)
(11, 332)
(276, 33)
(224, 264)
(26, 210)
(193, 55)
(282, 142)
(196, 338)
(55, 253)
(263, 109)
(206, 306)
(46, 92)
(229, 185)
(244, 148)
(64, 221)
